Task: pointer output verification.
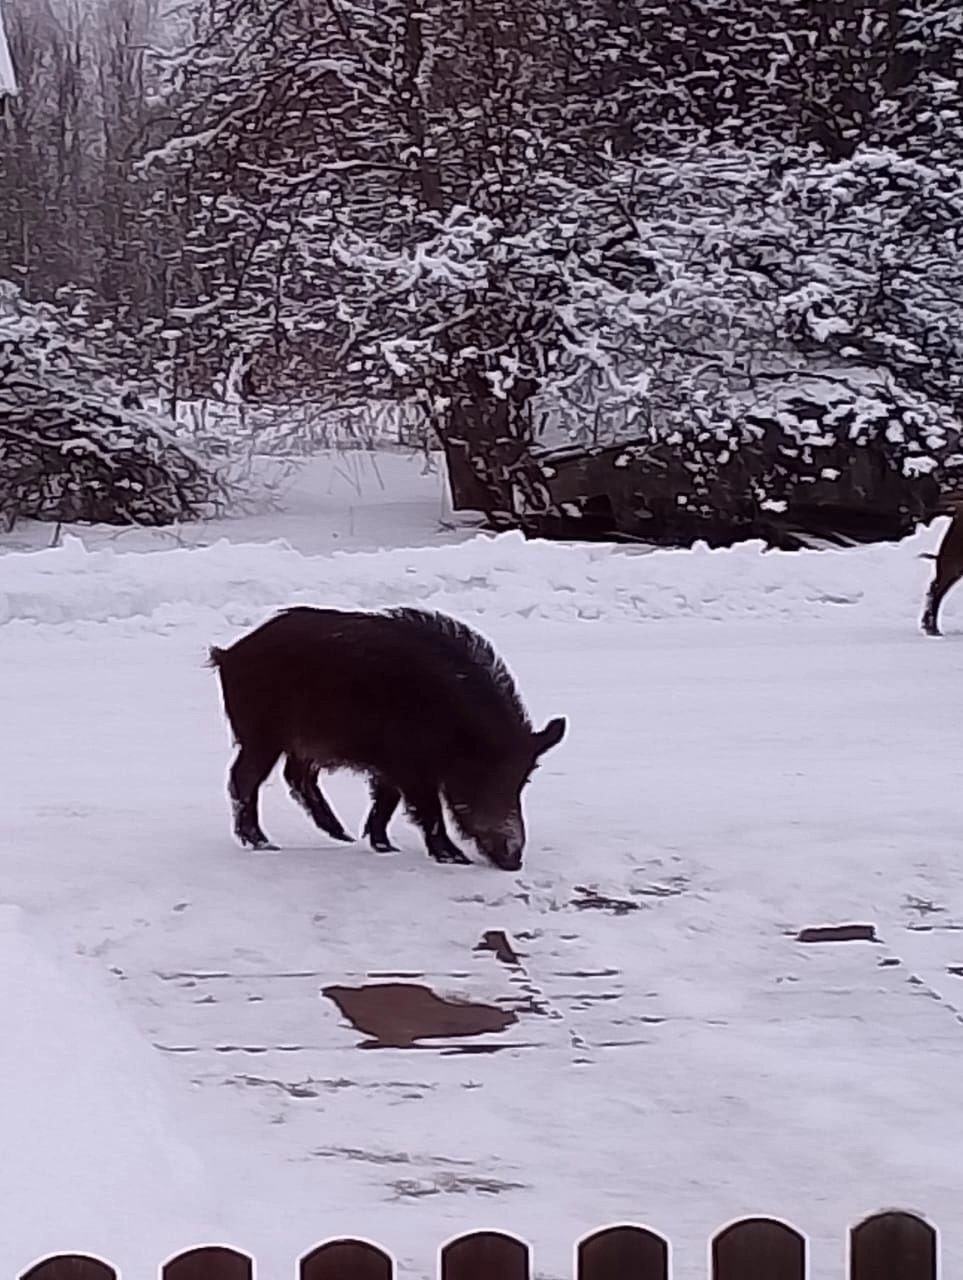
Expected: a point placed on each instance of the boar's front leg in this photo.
(424, 806)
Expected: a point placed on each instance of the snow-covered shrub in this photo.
(69, 449)
(856, 448)
(878, 242)
(690, 303)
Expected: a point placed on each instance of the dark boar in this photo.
(419, 703)
(949, 570)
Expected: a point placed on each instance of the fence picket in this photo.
(758, 1249)
(893, 1246)
(70, 1266)
(623, 1253)
(211, 1262)
(346, 1260)
(485, 1255)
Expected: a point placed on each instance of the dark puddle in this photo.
(838, 933)
(396, 1015)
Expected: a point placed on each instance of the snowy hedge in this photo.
(766, 329)
(69, 448)
(828, 455)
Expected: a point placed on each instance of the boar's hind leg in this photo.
(302, 779)
(251, 766)
(934, 598)
(385, 798)
(425, 808)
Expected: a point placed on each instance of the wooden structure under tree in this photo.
(827, 477)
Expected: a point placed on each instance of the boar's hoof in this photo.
(260, 844)
(382, 846)
(450, 853)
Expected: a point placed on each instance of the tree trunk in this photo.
(488, 444)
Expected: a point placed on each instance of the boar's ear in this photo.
(549, 737)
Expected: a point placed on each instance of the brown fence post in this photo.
(623, 1253)
(485, 1255)
(70, 1266)
(758, 1249)
(346, 1260)
(893, 1246)
(211, 1262)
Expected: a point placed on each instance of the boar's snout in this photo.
(503, 854)
(495, 825)
(505, 846)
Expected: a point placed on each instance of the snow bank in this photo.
(89, 1119)
(501, 576)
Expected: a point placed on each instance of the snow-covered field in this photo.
(758, 743)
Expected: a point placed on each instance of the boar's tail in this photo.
(214, 656)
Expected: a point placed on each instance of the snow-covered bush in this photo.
(851, 453)
(878, 242)
(69, 448)
(684, 302)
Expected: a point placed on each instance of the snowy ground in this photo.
(758, 742)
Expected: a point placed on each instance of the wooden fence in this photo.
(886, 1246)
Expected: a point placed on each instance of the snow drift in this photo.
(98, 1124)
(501, 577)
